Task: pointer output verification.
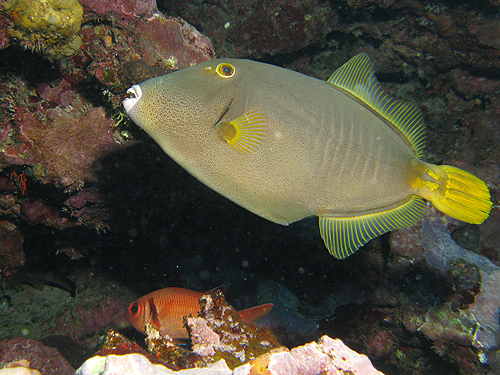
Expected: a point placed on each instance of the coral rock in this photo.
(328, 356)
(21, 367)
(221, 333)
(45, 359)
(171, 43)
(48, 26)
(441, 251)
(119, 11)
(11, 250)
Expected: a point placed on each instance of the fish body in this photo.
(166, 308)
(288, 146)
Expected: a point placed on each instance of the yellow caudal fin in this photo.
(455, 192)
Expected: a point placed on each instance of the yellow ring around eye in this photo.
(225, 70)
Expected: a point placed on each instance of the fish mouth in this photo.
(134, 94)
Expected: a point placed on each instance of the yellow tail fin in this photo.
(456, 193)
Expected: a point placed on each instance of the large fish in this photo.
(287, 146)
(166, 308)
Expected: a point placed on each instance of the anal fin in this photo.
(343, 236)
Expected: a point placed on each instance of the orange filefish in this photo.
(166, 308)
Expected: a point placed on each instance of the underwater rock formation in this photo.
(43, 358)
(56, 129)
(460, 312)
(12, 256)
(481, 322)
(50, 27)
(21, 367)
(223, 344)
(325, 356)
(443, 56)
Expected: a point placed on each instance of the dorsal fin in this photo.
(358, 78)
(220, 288)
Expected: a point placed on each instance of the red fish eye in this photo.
(134, 309)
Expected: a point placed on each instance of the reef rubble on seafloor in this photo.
(328, 356)
(223, 344)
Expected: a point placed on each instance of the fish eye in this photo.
(225, 70)
(134, 309)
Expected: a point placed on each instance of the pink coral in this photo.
(171, 42)
(120, 11)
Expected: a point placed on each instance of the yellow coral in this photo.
(48, 26)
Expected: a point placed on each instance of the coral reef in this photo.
(55, 141)
(121, 12)
(97, 305)
(223, 344)
(482, 321)
(50, 27)
(45, 359)
(21, 367)
(56, 129)
(325, 356)
(242, 29)
(71, 166)
(12, 256)
(220, 333)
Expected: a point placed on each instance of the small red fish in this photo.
(166, 308)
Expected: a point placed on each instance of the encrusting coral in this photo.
(50, 26)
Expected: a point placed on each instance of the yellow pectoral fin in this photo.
(457, 193)
(244, 134)
(343, 236)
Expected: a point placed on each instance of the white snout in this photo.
(134, 94)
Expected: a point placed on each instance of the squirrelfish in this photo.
(165, 309)
(288, 146)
